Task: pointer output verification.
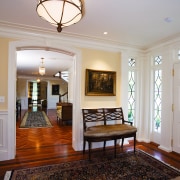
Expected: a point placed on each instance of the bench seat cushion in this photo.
(109, 130)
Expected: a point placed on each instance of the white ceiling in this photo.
(29, 61)
(139, 23)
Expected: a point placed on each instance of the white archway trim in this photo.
(12, 91)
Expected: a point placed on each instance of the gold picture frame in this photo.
(100, 83)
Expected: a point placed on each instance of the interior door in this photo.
(176, 121)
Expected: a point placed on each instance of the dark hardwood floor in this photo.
(43, 146)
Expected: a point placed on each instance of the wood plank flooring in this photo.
(43, 146)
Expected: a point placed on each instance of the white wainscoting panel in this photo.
(24, 103)
(3, 134)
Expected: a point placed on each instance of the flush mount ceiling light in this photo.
(60, 13)
(42, 68)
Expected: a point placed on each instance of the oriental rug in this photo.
(35, 119)
(126, 166)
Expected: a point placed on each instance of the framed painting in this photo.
(100, 83)
(55, 89)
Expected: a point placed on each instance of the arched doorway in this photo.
(76, 140)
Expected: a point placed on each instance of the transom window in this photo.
(132, 62)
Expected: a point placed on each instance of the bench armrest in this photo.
(128, 122)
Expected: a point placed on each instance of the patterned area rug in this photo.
(35, 119)
(127, 166)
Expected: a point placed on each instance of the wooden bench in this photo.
(106, 124)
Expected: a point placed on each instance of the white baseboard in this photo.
(7, 175)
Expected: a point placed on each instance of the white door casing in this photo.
(11, 127)
(176, 119)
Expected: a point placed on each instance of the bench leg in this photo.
(104, 146)
(84, 145)
(89, 143)
(115, 141)
(134, 143)
(122, 142)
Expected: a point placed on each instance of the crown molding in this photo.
(171, 41)
(164, 43)
(42, 78)
(18, 31)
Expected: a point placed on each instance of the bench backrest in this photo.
(114, 114)
(105, 115)
(92, 116)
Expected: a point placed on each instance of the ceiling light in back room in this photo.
(42, 68)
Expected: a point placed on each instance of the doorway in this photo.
(14, 46)
(37, 95)
(38, 89)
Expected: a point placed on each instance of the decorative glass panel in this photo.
(131, 92)
(158, 60)
(157, 95)
(131, 96)
(132, 62)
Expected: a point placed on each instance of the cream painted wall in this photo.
(101, 60)
(21, 88)
(4, 45)
(43, 90)
(53, 99)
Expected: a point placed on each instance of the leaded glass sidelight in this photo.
(157, 94)
(131, 90)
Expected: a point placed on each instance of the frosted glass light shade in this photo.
(60, 13)
(42, 71)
